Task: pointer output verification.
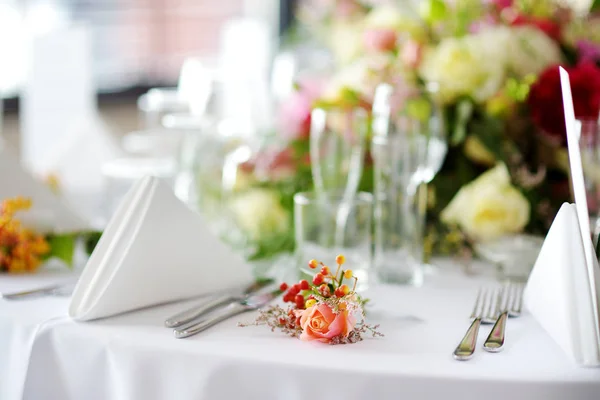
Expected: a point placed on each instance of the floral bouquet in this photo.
(495, 63)
(23, 249)
(324, 310)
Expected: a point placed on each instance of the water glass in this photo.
(337, 148)
(589, 143)
(399, 209)
(315, 231)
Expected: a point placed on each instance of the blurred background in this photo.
(134, 44)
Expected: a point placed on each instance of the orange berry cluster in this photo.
(324, 283)
(20, 249)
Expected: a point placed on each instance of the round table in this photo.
(46, 355)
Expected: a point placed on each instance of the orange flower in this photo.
(20, 249)
(320, 323)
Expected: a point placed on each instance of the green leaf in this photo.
(91, 240)
(464, 111)
(62, 247)
(490, 131)
(595, 6)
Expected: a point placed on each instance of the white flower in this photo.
(361, 77)
(384, 17)
(469, 66)
(488, 207)
(531, 51)
(346, 40)
(258, 212)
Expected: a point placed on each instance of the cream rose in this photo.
(467, 66)
(259, 212)
(488, 207)
(531, 51)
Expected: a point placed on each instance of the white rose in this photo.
(469, 66)
(531, 51)
(259, 212)
(360, 76)
(488, 207)
(346, 40)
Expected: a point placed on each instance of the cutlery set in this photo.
(192, 321)
(492, 306)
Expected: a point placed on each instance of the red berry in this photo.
(312, 264)
(287, 298)
(318, 279)
(325, 290)
(282, 321)
(304, 284)
(294, 290)
(338, 293)
(299, 299)
(325, 270)
(283, 287)
(297, 287)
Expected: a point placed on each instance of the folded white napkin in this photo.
(49, 211)
(154, 250)
(563, 291)
(559, 294)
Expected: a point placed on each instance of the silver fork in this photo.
(483, 308)
(512, 303)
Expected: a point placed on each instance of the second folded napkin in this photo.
(49, 211)
(154, 250)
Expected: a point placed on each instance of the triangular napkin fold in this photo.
(49, 211)
(154, 250)
(559, 292)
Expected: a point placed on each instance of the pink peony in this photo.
(294, 114)
(380, 39)
(320, 323)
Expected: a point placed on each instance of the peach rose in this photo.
(380, 39)
(320, 323)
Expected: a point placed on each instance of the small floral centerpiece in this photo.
(24, 249)
(325, 310)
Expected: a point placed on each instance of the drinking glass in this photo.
(409, 147)
(589, 143)
(398, 253)
(315, 230)
(337, 150)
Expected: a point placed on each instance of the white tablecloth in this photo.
(45, 355)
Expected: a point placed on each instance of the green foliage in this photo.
(62, 246)
(458, 117)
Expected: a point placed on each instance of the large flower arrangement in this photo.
(496, 65)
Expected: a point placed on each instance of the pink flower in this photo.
(411, 53)
(294, 114)
(588, 51)
(275, 164)
(320, 323)
(380, 39)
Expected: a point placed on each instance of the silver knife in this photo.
(63, 289)
(249, 304)
(197, 311)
